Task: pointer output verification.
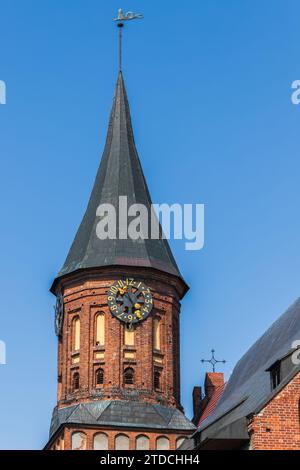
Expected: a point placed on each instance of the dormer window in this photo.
(275, 372)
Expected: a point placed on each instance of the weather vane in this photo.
(213, 361)
(120, 23)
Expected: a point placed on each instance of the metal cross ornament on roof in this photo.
(213, 361)
(120, 23)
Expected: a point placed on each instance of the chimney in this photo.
(197, 399)
(213, 380)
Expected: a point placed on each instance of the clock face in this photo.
(130, 301)
(59, 314)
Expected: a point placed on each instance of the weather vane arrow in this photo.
(130, 15)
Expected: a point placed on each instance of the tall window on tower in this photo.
(156, 379)
(129, 376)
(75, 382)
(156, 333)
(99, 377)
(76, 334)
(128, 336)
(100, 329)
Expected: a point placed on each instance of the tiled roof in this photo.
(249, 387)
(211, 405)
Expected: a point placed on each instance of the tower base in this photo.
(118, 425)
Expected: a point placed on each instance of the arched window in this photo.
(76, 334)
(129, 376)
(142, 443)
(179, 441)
(122, 442)
(75, 381)
(57, 444)
(99, 377)
(100, 329)
(156, 379)
(128, 336)
(156, 333)
(78, 441)
(100, 441)
(162, 443)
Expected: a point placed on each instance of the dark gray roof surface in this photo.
(120, 174)
(249, 386)
(121, 413)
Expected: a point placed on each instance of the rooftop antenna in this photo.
(120, 23)
(213, 361)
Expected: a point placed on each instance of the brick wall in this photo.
(85, 295)
(84, 299)
(277, 426)
(64, 440)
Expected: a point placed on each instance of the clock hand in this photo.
(132, 298)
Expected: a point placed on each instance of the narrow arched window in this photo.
(100, 441)
(99, 377)
(100, 329)
(156, 379)
(156, 334)
(76, 334)
(75, 381)
(78, 441)
(142, 443)
(128, 336)
(162, 443)
(122, 442)
(129, 376)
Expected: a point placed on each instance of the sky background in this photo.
(209, 84)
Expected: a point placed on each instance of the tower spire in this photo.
(120, 23)
(120, 174)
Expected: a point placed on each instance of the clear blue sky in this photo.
(209, 87)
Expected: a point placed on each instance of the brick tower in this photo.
(117, 320)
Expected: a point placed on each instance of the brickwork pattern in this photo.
(277, 426)
(85, 296)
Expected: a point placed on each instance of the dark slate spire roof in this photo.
(120, 174)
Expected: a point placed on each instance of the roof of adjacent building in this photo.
(119, 413)
(211, 405)
(249, 387)
(120, 174)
